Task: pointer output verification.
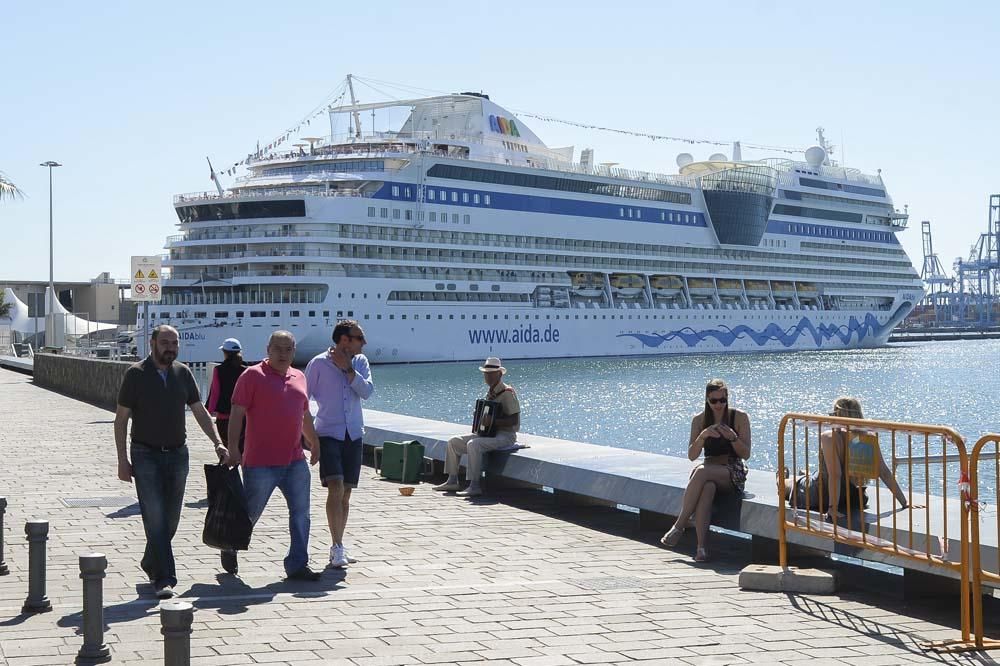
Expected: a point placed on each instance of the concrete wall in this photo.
(86, 379)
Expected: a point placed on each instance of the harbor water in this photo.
(646, 404)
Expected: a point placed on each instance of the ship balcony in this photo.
(898, 221)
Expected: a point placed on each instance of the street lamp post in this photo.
(50, 319)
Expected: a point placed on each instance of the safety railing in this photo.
(988, 571)
(834, 456)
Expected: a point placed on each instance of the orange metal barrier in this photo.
(811, 440)
(979, 572)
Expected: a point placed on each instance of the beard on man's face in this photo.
(165, 357)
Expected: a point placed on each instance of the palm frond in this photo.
(9, 190)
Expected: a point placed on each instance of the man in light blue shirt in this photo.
(339, 379)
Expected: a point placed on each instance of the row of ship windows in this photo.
(636, 213)
(407, 214)
(442, 195)
(832, 232)
(417, 317)
(895, 252)
(500, 240)
(276, 314)
(544, 243)
(241, 314)
(809, 196)
(493, 257)
(510, 145)
(827, 185)
(541, 182)
(340, 165)
(581, 263)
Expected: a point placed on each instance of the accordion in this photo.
(484, 418)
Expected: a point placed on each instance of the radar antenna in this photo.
(354, 102)
(824, 144)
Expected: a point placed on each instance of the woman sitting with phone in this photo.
(723, 435)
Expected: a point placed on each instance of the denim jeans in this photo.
(293, 482)
(160, 477)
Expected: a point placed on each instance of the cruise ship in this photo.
(461, 235)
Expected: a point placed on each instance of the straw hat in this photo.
(492, 364)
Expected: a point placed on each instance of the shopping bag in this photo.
(227, 523)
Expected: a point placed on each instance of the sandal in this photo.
(672, 537)
(700, 555)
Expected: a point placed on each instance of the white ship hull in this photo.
(516, 333)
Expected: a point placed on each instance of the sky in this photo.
(131, 97)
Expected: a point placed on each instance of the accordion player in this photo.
(484, 418)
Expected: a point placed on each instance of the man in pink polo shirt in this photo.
(272, 395)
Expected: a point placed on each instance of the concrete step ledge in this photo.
(772, 578)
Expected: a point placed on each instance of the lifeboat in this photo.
(782, 287)
(805, 287)
(701, 284)
(627, 284)
(730, 285)
(758, 286)
(666, 284)
(587, 284)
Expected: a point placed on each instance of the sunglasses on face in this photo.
(718, 401)
(357, 337)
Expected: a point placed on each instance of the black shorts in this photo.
(339, 459)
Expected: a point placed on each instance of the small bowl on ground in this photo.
(406, 491)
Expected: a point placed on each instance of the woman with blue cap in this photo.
(220, 393)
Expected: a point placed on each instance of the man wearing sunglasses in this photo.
(338, 380)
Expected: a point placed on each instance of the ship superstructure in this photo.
(461, 235)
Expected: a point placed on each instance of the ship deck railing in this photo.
(270, 193)
(541, 162)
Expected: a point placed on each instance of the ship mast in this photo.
(354, 102)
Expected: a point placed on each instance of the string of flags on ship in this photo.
(654, 137)
(283, 137)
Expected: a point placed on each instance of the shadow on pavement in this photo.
(228, 596)
(839, 617)
(125, 511)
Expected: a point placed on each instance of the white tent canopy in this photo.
(22, 323)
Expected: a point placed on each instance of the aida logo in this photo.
(502, 125)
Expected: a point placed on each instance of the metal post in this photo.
(50, 306)
(38, 533)
(175, 622)
(94, 650)
(3, 509)
(145, 329)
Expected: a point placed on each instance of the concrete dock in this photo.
(513, 579)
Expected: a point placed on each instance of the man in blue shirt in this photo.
(339, 379)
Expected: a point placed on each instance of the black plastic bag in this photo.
(227, 523)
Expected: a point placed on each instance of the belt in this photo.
(161, 449)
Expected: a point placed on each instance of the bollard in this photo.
(94, 650)
(38, 534)
(175, 621)
(3, 509)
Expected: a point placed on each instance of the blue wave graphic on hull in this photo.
(787, 337)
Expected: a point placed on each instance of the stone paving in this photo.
(514, 579)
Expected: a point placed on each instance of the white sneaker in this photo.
(338, 560)
(347, 556)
